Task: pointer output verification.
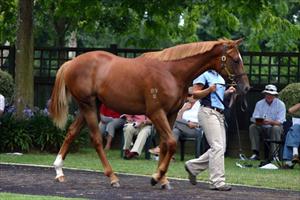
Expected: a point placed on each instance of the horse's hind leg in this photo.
(73, 130)
(89, 112)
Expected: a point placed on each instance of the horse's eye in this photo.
(236, 61)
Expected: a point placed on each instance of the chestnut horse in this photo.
(154, 84)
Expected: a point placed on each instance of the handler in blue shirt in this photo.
(210, 88)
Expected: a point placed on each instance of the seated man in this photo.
(140, 126)
(110, 122)
(292, 141)
(268, 116)
(186, 123)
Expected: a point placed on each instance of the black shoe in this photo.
(296, 159)
(126, 153)
(222, 188)
(131, 155)
(285, 166)
(192, 177)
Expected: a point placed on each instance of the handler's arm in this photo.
(199, 92)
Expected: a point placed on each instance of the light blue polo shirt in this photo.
(207, 79)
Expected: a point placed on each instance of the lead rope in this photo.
(231, 77)
(241, 155)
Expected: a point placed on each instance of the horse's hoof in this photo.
(115, 184)
(166, 186)
(60, 179)
(153, 181)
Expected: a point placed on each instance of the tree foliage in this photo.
(266, 25)
(8, 18)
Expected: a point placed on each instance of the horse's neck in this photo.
(186, 70)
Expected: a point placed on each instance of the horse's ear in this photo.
(239, 41)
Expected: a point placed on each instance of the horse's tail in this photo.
(59, 104)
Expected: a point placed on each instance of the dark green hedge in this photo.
(35, 133)
(6, 85)
(290, 95)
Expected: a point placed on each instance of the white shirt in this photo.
(296, 120)
(192, 114)
(2, 102)
(276, 111)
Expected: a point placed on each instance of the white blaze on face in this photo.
(58, 164)
(241, 57)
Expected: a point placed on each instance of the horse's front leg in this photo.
(92, 122)
(73, 131)
(168, 148)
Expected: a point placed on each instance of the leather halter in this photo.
(231, 77)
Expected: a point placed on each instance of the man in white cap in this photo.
(268, 117)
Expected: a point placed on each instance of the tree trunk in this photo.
(24, 80)
(61, 27)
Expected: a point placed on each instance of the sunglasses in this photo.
(190, 95)
(271, 90)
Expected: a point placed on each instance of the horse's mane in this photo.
(184, 50)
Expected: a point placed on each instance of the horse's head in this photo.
(230, 66)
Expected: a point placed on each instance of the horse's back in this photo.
(126, 85)
(99, 72)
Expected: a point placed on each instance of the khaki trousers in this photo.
(257, 131)
(142, 135)
(212, 123)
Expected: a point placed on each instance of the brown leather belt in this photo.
(214, 108)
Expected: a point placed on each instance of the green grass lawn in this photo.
(11, 196)
(87, 159)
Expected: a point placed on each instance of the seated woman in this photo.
(139, 126)
(110, 122)
(2, 104)
(292, 141)
(186, 123)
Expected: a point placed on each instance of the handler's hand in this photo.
(212, 88)
(231, 89)
(186, 106)
(193, 125)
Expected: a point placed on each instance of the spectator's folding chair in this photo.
(199, 143)
(277, 152)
